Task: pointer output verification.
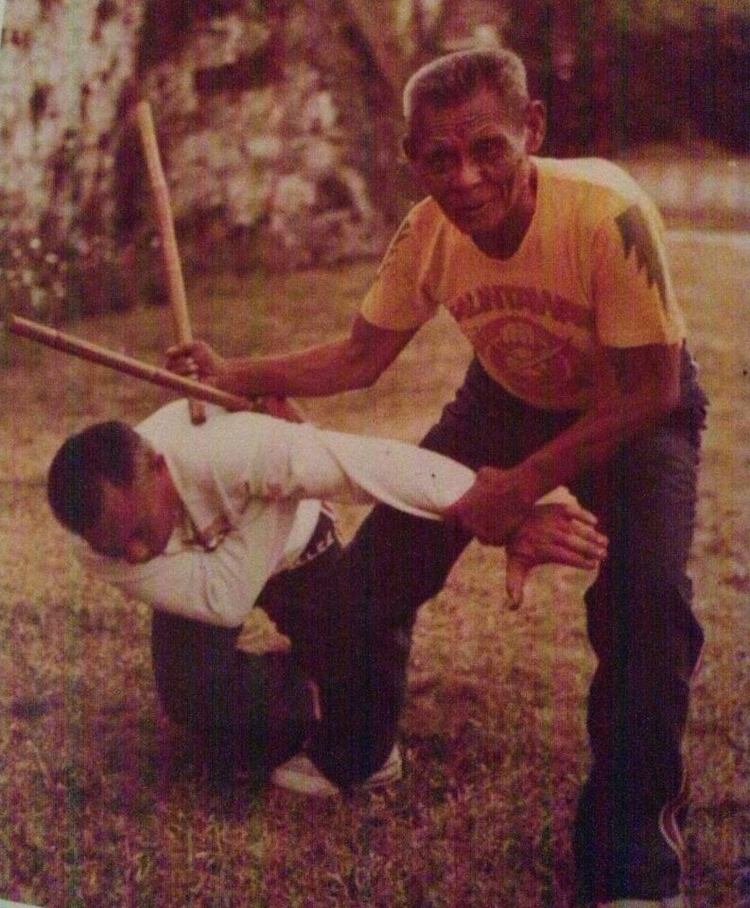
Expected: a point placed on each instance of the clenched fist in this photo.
(196, 360)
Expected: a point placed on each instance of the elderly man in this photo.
(556, 272)
(204, 522)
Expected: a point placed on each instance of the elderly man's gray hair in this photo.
(458, 76)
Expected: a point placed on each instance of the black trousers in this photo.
(640, 620)
(245, 712)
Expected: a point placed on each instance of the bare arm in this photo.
(353, 362)
(634, 387)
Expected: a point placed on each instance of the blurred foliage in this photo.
(167, 23)
(615, 73)
(55, 282)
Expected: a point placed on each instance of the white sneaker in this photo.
(300, 774)
(391, 771)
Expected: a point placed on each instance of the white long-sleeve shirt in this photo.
(251, 487)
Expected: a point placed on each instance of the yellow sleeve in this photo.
(399, 298)
(634, 298)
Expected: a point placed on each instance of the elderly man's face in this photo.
(473, 159)
(137, 520)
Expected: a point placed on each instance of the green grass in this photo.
(99, 803)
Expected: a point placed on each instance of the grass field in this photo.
(98, 801)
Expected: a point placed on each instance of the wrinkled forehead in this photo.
(482, 114)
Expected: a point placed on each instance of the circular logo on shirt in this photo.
(536, 364)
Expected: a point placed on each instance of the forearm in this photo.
(315, 372)
(588, 444)
(635, 388)
(346, 364)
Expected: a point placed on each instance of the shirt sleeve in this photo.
(632, 289)
(399, 298)
(217, 587)
(301, 461)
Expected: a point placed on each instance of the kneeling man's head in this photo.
(109, 486)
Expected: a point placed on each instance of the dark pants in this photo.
(252, 712)
(640, 622)
(647, 641)
(350, 615)
(246, 712)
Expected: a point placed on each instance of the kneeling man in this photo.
(204, 522)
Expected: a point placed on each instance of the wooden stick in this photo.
(160, 190)
(122, 363)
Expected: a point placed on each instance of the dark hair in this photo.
(106, 450)
(458, 76)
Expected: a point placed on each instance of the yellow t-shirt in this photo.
(590, 271)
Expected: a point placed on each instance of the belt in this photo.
(323, 537)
